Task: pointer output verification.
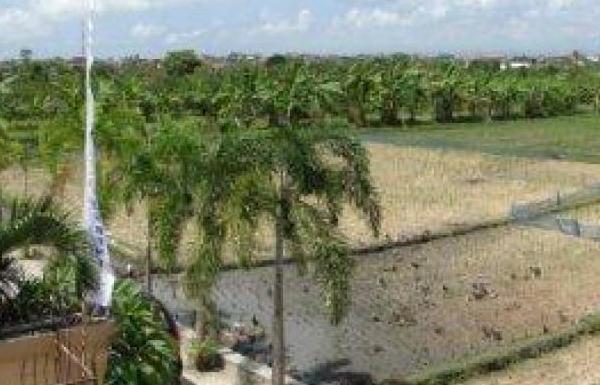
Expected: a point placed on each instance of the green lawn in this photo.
(571, 138)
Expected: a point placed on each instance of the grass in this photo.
(573, 138)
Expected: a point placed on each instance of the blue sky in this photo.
(152, 27)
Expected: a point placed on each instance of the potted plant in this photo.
(206, 355)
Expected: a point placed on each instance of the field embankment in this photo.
(573, 365)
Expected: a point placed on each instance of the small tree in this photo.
(179, 63)
(27, 223)
(298, 179)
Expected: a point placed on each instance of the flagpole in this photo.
(91, 213)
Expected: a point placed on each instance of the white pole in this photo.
(91, 214)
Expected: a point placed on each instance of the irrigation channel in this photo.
(427, 303)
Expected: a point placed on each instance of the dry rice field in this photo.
(428, 190)
(421, 190)
(422, 306)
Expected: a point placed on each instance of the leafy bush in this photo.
(142, 352)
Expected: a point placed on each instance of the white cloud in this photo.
(558, 5)
(146, 31)
(366, 18)
(301, 23)
(15, 22)
(37, 17)
(182, 37)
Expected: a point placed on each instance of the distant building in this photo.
(516, 63)
(77, 61)
(593, 58)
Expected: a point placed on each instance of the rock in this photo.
(480, 289)
(563, 317)
(492, 333)
(475, 180)
(403, 317)
(535, 271)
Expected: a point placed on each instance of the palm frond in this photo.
(42, 223)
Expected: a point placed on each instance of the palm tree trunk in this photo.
(279, 364)
(26, 180)
(149, 251)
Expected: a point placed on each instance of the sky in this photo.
(152, 27)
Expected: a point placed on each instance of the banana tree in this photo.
(358, 86)
(445, 88)
(414, 92)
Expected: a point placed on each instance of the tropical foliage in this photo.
(69, 275)
(142, 352)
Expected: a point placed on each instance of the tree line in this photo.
(361, 92)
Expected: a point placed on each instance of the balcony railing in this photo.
(71, 356)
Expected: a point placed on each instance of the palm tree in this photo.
(154, 164)
(297, 178)
(26, 223)
(293, 175)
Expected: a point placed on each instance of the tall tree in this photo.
(298, 179)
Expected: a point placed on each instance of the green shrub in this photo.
(142, 352)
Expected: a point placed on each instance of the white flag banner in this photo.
(91, 213)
